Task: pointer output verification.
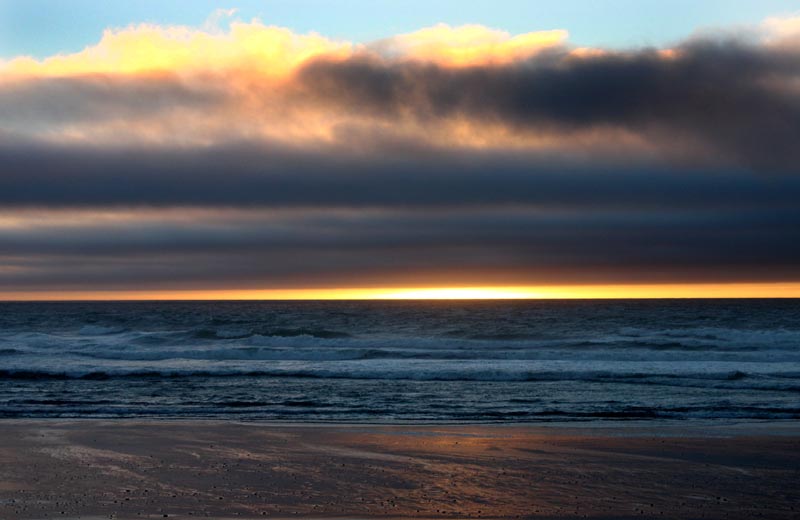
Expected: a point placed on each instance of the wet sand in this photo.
(140, 469)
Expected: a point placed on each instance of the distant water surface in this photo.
(521, 361)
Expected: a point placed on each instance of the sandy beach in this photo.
(189, 469)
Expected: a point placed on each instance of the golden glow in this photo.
(470, 45)
(255, 49)
(462, 293)
(700, 290)
(781, 30)
(146, 48)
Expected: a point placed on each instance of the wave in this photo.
(328, 345)
(299, 410)
(99, 330)
(228, 334)
(137, 348)
(625, 341)
(721, 337)
(272, 354)
(781, 382)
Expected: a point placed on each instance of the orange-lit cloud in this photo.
(469, 45)
(781, 31)
(255, 49)
(247, 69)
(251, 48)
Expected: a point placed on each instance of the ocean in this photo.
(403, 361)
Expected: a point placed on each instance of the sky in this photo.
(41, 28)
(315, 149)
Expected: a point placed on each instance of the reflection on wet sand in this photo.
(211, 469)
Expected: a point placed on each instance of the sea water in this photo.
(405, 361)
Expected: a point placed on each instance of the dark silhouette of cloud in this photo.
(263, 175)
(334, 247)
(738, 101)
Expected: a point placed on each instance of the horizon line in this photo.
(762, 290)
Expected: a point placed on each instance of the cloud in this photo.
(213, 23)
(706, 101)
(781, 31)
(334, 247)
(734, 102)
(467, 45)
(246, 73)
(44, 104)
(273, 52)
(257, 174)
(249, 214)
(175, 157)
(250, 47)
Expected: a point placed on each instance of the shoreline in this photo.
(185, 469)
(615, 428)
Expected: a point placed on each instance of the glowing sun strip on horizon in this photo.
(699, 290)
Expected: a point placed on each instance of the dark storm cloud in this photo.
(739, 102)
(260, 175)
(295, 248)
